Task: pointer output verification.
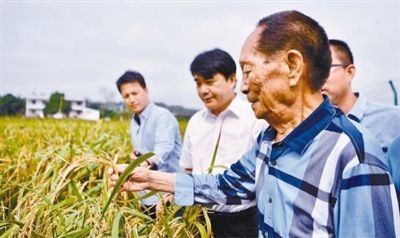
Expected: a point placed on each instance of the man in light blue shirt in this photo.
(382, 120)
(153, 128)
(312, 172)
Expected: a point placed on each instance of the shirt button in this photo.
(269, 200)
(273, 162)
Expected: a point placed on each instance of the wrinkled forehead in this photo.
(249, 48)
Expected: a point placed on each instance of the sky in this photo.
(81, 48)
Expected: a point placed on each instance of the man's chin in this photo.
(209, 105)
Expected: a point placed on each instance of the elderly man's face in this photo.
(265, 80)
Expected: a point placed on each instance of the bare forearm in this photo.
(161, 181)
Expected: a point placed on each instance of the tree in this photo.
(10, 105)
(57, 103)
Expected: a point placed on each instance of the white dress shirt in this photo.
(239, 131)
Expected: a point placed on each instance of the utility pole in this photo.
(394, 92)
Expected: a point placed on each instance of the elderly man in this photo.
(312, 172)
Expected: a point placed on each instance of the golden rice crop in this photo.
(53, 183)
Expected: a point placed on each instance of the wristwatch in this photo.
(151, 165)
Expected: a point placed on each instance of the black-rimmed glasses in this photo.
(339, 65)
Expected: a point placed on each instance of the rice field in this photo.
(53, 183)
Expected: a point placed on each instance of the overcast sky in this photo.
(82, 47)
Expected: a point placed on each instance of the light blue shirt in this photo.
(394, 164)
(324, 179)
(159, 133)
(382, 120)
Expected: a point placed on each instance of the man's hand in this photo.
(142, 178)
(136, 181)
(167, 199)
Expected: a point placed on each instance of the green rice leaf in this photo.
(75, 190)
(115, 227)
(214, 157)
(9, 222)
(76, 234)
(123, 177)
(137, 213)
(208, 222)
(201, 229)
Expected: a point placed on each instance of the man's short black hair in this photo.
(131, 76)
(346, 57)
(211, 62)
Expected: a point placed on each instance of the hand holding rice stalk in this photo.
(117, 187)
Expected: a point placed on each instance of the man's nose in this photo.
(203, 88)
(244, 86)
(131, 98)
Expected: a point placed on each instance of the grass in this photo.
(52, 183)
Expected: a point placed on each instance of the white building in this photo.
(35, 105)
(79, 110)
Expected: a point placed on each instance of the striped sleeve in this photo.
(231, 187)
(367, 204)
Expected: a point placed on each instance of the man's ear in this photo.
(232, 79)
(295, 63)
(350, 72)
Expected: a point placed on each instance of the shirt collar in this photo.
(302, 136)
(359, 108)
(233, 107)
(146, 112)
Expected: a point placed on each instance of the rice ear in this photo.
(134, 163)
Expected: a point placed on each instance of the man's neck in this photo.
(224, 107)
(347, 103)
(144, 108)
(294, 115)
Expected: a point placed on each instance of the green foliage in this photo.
(54, 183)
(183, 121)
(107, 113)
(57, 103)
(10, 105)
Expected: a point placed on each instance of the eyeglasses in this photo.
(339, 65)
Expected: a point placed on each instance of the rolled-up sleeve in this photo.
(184, 194)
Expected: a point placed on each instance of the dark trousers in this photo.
(236, 224)
(150, 210)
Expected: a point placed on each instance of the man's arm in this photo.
(367, 204)
(231, 187)
(197, 188)
(142, 178)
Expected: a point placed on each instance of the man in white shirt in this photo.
(227, 128)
